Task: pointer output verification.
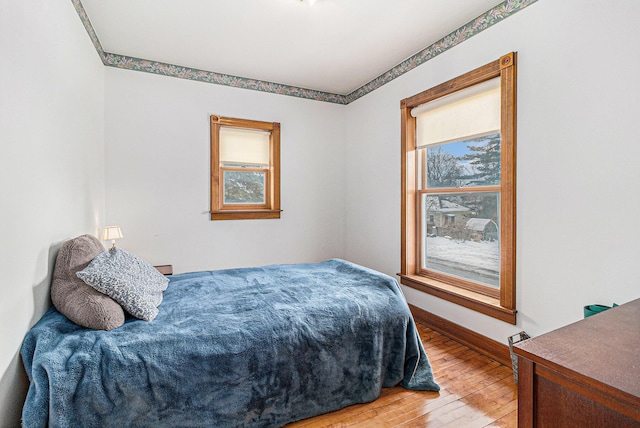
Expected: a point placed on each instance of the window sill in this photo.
(469, 299)
(245, 214)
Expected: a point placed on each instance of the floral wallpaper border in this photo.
(481, 23)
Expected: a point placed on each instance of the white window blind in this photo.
(244, 146)
(470, 112)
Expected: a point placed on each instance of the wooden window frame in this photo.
(271, 208)
(498, 304)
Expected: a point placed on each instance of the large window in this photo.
(245, 169)
(458, 189)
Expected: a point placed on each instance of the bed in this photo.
(255, 347)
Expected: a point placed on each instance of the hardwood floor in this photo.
(475, 392)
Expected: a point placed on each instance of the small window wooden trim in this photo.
(271, 208)
(500, 305)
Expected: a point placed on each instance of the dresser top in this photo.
(602, 350)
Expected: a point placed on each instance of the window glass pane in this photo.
(460, 235)
(468, 163)
(244, 187)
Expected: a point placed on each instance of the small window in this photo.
(245, 169)
(458, 183)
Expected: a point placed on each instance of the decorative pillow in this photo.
(129, 280)
(72, 297)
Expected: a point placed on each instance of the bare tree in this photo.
(442, 168)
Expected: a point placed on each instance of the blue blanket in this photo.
(257, 347)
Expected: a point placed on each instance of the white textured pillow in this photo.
(128, 280)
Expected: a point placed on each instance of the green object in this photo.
(596, 309)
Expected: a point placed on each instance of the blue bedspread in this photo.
(256, 347)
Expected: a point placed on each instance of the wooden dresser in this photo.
(586, 374)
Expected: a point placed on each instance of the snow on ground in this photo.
(477, 256)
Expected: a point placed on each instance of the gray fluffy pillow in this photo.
(129, 280)
(72, 297)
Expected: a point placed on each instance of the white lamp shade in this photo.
(111, 232)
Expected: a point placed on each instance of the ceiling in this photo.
(333, 50)
(333, 46)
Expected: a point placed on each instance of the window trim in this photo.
(271, 208)
(501, 305)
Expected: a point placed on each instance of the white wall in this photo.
(578, 151)
(51, 165)
(577, 156)
(158, 168)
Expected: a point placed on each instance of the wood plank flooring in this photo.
(475, 392)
